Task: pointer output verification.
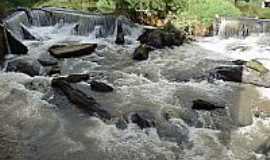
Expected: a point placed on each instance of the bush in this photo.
(106, 5)
(157, 7)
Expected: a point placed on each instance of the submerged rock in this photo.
(120, 36)
(100, 86)
(173, 133)
(71, 51)
(161, 38)
(142, 52)
(81, 100)
(204, 105)
(27, 65)
(143, 119)
(47, 60)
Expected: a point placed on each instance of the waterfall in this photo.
(13, 23)
(241, 27)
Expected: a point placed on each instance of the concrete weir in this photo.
(16, 25)
(226, 27)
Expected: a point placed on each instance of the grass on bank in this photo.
(84, 5)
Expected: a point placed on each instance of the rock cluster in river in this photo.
(157, 39)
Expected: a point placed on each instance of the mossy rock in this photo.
(257, 66)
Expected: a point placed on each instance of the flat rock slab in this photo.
(72, 51)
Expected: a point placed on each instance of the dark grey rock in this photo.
(15, 45)
(25, 65)
(142, 52)
(83, 101)
(120, 36)
(74, 78)
(204, 105)
(47, 60)
(3, 42)
(160, 38)
(100, 86)
(144, 119)
(27, 35)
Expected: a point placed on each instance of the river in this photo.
(34, 129)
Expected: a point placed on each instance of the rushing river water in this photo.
(33, 129)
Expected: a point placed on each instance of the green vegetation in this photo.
(253, 9)
(85, 5)
(186, 14)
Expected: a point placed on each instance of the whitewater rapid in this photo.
(48, 132)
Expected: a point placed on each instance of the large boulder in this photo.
(251, 72)
(83, 101)
(142, 52)
(228, 73)
(120, 36)
(72, 50)
(160, 38)
(3, 42)
(15, 45)
(25, 65)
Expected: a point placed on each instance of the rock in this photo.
(257, 66)
(15, 45)
(239, 62)
(161, 38)
(40, 84)
(47, 60)
(26, 33)
(25, 65)
(204, 105)
(173, 133)
(52, 70)
(228, 73)
(74, 78)
(143, 119)
(100, 86)
(72, 51)
(121, 123)
(3, 42)
(81, 100)
(142, 52)
(120, 36)
(252, 72)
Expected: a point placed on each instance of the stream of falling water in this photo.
(33, 129)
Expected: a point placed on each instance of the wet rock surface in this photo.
(3, 44)
(27, 34)
(204, 105)
(120, 35)
(80, 99)
(71, 51)
(27, 65)
(15, 45)
(160, 38)
(142, 52)
(100, 86)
